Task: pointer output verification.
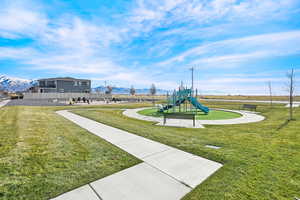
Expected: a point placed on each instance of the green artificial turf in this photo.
(43, 155)
(260, 161)
(212, 115)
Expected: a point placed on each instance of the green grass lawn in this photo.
(212, 115)
(43, 155)
(260, 161)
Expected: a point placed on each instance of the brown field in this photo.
(242, 97)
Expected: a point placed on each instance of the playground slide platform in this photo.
(192, 100)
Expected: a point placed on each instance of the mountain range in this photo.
(12, 84)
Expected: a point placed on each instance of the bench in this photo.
(179, 116)
(249, 106)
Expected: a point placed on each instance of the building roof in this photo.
(63, 78)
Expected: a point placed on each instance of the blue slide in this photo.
(198, 105)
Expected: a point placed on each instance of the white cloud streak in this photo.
(241, 50)
(66, 45)
(19, 20)
(159, 13)
(16, 53)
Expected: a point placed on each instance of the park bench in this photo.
(179, 116)
(249, 106)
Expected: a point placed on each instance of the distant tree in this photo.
(108, 89)
(153, 92)
(152, 89)
(132, 90)
(291, 90)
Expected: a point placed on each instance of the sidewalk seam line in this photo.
(95, 191)
(181, 182)
(168, 149)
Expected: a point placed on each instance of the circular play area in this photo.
(213, 114)
(183, 109)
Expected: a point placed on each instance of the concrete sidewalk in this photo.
(3, 103)
(166, 173)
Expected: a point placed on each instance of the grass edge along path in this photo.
(44, 155)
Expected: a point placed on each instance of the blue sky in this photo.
(236, 46)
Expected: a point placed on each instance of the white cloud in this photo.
(75, 33)
(16, 53)
(245, 80)
(75, 64)
(17, 20)
(65, 45)
(158, 13)
(201, 19)
(241, 49)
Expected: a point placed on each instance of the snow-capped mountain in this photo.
(12, 84)
(123, 90)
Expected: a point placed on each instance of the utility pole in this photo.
(270, 93)
(192, 69)
(181, 87)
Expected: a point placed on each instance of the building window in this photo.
(84, 83)
(75, 83)
(51, 84)
(42, 83)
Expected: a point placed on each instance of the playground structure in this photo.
(179, 100)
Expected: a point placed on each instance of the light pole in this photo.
(192, 69)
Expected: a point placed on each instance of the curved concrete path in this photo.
(247, 117)
(166, 173)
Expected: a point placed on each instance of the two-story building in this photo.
(63, 85)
